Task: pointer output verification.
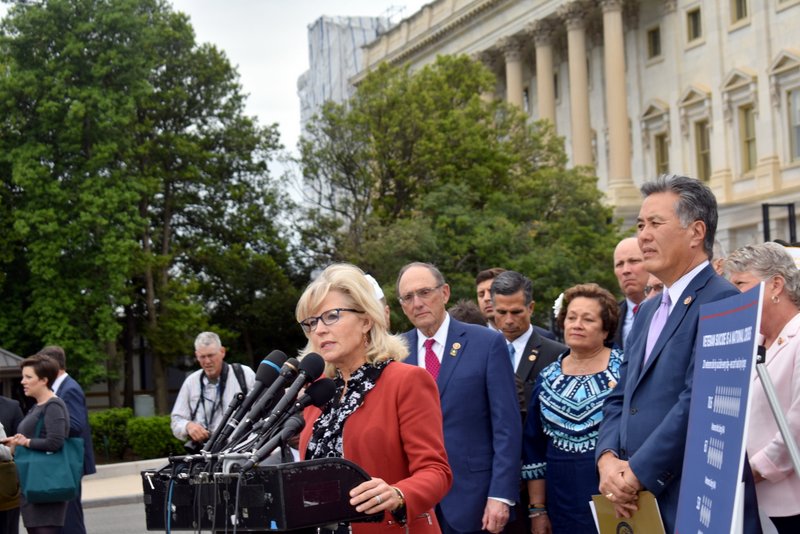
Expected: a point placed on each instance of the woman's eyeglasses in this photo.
(328, 318)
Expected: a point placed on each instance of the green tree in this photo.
(70, 231)
(140, 188)
(417, 166)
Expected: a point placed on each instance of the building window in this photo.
(703, 150)
(738, 10)
(653, 42)
(526, 100)
(747, 129)
(662, 153)
(794, 123)
(555, 86)
(694, 24)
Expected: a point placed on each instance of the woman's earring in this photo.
(775, 299)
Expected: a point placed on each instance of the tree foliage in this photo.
(142, 201)
(419, 167)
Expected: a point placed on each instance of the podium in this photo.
(278, 497)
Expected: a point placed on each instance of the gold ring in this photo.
(609, 495)
(378, 498)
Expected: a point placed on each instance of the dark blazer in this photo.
(484, 444)
(396, 435)
(645, 418)
(10, 415)
(539, 353)
(544, 332)
(623, 311)
(72, 395)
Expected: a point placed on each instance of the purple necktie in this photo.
(657, 325)
(432, 363)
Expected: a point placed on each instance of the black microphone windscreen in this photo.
(312, 364)
(293, 425)
(270, 367)
(321, 391)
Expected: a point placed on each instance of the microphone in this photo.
(292, 427)
(318, 393)
(226, 417)
(268, 371)
(288, 372)
(310, 369)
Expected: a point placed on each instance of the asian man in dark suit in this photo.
(68, 390)
(643, 432)
(476, 386)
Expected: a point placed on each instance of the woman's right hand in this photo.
(18, 439)
(540, 525)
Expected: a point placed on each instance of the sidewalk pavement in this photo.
(119, 483)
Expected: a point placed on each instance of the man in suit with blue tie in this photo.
(68, 390)
(645, 419)
(480, 411)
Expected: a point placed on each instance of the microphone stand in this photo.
(769, 390)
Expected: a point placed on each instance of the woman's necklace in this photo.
(582, 366)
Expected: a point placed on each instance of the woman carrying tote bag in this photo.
(38, 374)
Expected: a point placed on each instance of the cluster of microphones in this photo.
(253, 426)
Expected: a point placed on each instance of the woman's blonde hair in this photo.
(351, 281)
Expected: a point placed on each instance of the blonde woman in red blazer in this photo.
(385, 417)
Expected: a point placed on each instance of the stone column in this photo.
(542, 33)
(512, 51)
(620, 184)
(575, 16)
(487, 58)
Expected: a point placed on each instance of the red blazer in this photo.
(396, 435)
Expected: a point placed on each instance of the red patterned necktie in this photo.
(431, 361)
(635, 308)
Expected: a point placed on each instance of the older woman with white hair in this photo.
(385, 416)
(777, 484)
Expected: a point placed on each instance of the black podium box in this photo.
(279, 497)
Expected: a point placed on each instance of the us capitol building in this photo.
(706, 88)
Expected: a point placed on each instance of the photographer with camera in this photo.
(207, 392)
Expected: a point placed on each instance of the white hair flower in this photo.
(557, 304)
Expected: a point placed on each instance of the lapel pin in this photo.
(780, 341)
(454, 349)
(533, 355)
(687, 301)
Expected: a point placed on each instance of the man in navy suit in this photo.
(68, 390)
(643, 433)
(482, 428)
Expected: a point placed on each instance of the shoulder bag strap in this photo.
(237, 370)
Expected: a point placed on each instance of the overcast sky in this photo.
(268, 41)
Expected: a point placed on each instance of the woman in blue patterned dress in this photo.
(565, 412)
